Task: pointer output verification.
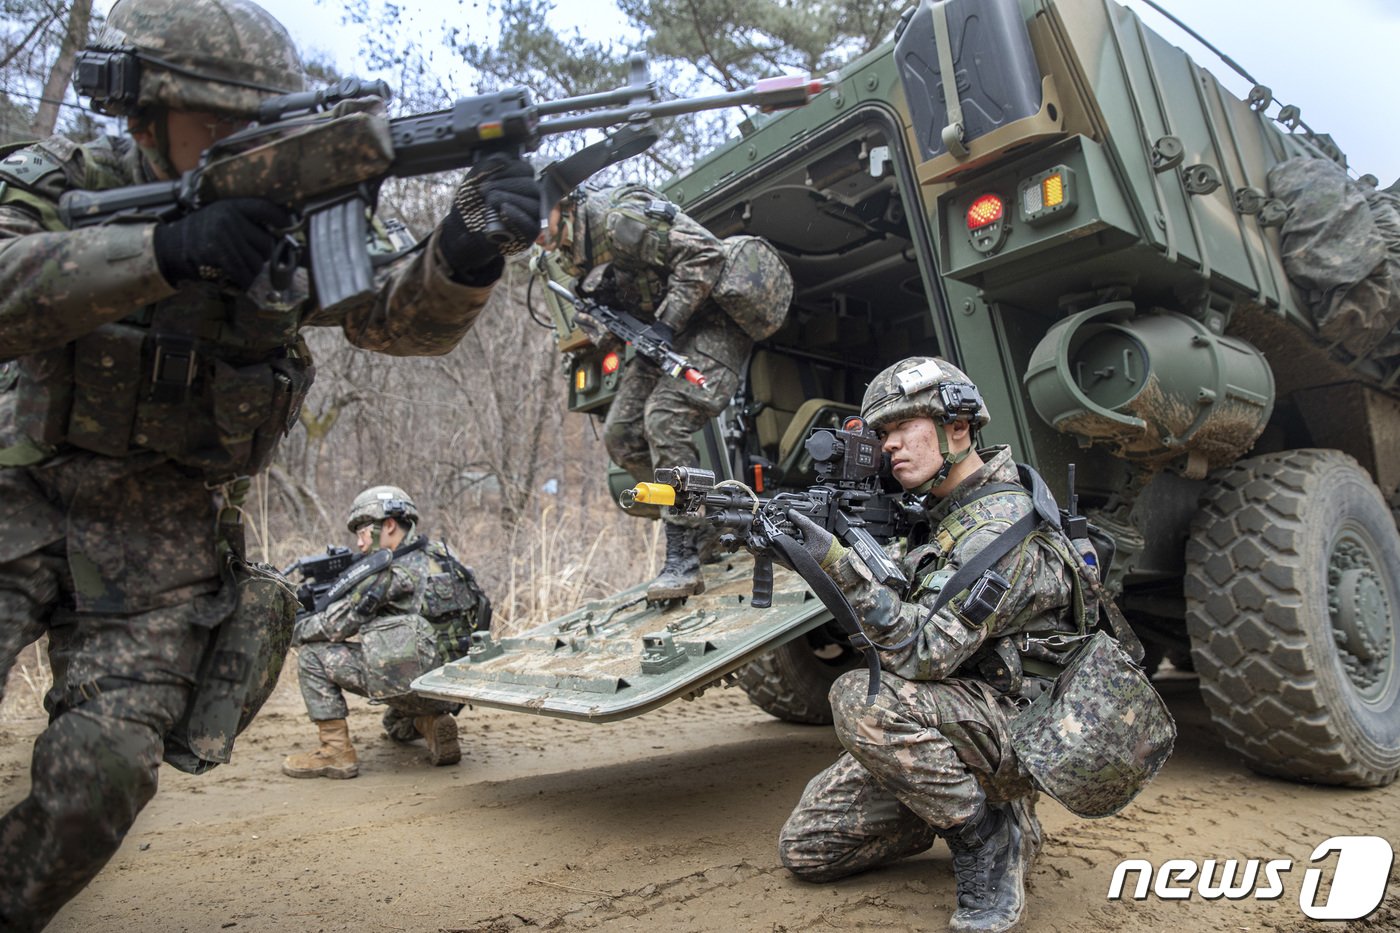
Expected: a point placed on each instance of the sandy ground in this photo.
(667, 821)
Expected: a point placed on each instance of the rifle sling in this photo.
(834, 600)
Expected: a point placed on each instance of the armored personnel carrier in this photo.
(1184, 293)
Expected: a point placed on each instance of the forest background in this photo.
(481, 437)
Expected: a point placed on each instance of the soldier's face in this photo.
(913, 448)
(391, 535)
(189, 132)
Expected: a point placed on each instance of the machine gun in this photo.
(324, 154)
(631, 331)
(848, 500)
(319, 572)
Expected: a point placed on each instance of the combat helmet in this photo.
(219, 56)
(925, 386)
(378, 503)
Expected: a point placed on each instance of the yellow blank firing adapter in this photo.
(648, 494)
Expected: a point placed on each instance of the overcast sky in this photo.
(1336, 60)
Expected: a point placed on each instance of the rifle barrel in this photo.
(768, 94)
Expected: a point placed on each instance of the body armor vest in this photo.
(210, 378)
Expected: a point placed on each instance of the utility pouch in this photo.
(1096, 738)
(755, 286)
(239, 669)
(107, 377)
(396, 649)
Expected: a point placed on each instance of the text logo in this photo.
(1357, 886)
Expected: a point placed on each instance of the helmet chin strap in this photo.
(159, 154)
(375, 529)
(950, 459)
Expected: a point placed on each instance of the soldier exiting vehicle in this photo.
(412, 606)
(633, 250)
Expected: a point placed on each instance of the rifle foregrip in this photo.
(762, 596)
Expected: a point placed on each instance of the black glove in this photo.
(227, 241)
(661, 333)
(496, 212)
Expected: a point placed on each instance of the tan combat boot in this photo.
(440, 731)
(334, 759)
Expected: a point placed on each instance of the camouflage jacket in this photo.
(1040, 600)
(427, 581)
(661, 264)
(115, 360)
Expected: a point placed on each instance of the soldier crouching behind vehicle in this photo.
(412, 605)
(930, 756)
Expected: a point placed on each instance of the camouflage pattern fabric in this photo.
(653, 418)
(109, 522)
(661, 265)
(935, 743)
(127, 596)
(1341, 246)
(396, 643)
(922, 757)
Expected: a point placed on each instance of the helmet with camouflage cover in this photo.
(923, 385)
(926, 386)
(378, 503)
(217, 56)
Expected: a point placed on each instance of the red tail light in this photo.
(985, 210)
(610, 363)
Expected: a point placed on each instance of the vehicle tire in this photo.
(792, 681)
(1292, 604)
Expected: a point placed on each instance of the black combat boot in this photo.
(990, 859)
(680, 577)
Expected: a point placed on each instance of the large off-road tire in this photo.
(792, 681)
(1292, 603)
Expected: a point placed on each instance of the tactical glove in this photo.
(227, 241)
(496, 212)
(817, 541)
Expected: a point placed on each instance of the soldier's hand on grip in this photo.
(227, 241)
(816, 540)
(496, 212)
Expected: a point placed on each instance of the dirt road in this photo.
(667, 821)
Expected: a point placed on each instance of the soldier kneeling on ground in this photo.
(413, 606)
(997, 607)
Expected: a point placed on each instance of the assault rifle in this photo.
(323, 154)
(318, 574)
(848, 500)
(632, 331)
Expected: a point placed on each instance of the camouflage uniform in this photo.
(127, 401)
(934, 744)
(329, 663)
(660, 266)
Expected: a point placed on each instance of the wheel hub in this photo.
(1360, 612)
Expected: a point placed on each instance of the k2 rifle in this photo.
(318, 574)
(324, 154)
(635, 333)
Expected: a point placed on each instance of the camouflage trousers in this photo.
(329, 669)
(116, 562)
(921, 758)
(653, 418)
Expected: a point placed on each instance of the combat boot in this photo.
(989, 861)
(334, 759)
(680, 577)
(440, 731)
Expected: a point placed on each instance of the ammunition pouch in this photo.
(396, 650)
(1099, 735)
(124, 388)
(454, 605)
(238, 671)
